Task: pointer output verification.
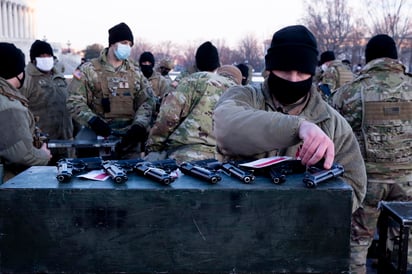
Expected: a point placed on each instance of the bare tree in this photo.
(356, 41)
(164, 49)
(391, 17)
(251, 51)
(139, 48)
(330, 22)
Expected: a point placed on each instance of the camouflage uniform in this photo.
(17, 126)
(159, 85)
(121, 96)
(166, 63)
(378, 106)
(336, 75)
(47, 95)
(184, 125)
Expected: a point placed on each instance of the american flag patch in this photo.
(77, 74)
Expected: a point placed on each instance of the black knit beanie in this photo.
(326, 56)
(207, 57)
(243, 69)
(119, 33)
(147, 56)
(380, 46)
(293, 48)
(12, 61)
(38, 48)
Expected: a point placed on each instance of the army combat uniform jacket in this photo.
(384, 137)
(160, 85)
(121, 96)
(336, 75)
(244, 121)
(47, 95)
(184, 124)
(17, 129)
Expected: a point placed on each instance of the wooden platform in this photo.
(187, 227)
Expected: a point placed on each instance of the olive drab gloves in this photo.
(99, 126)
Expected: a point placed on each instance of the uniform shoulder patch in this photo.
(77, 74)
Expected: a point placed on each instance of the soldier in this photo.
(377, 105)
(279, 118)
(183, 129)
(231, 72)
(165, 66)
(159, 83)
(111, 94)
(46, 90)
(334, 74)
(17, 125)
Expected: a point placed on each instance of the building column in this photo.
(32, 23)
(1, 19)
(8, 19)
(13, 20)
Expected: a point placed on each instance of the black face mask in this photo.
(21, 81)
(147, 70)
(164, 71)
(287, 92)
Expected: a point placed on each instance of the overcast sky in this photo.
(84, 22)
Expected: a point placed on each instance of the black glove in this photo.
(99, 126)
(135, 135)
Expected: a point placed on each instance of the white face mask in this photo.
(324, 67)
(122, 51)
(44, 63)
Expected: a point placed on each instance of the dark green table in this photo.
(187, 227)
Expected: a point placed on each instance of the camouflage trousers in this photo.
(365, 219)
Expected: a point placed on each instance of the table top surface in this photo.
(44, 177)
(400, 210)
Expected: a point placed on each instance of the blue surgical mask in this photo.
(122, 51)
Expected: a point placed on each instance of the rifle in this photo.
(86, 138)
(315, 175)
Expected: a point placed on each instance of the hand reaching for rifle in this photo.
(316, 145)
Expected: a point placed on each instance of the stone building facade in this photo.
(18, 23)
